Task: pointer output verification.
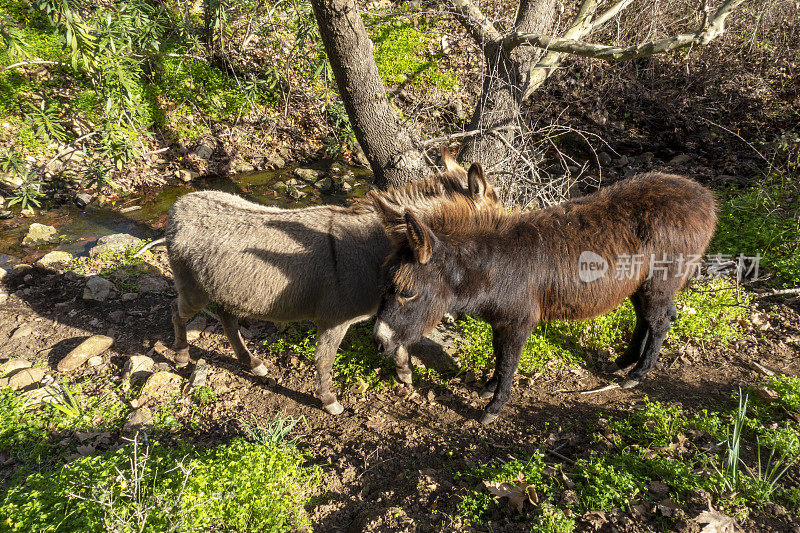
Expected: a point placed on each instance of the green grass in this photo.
(712, 311)
(239, 486)
(656, 441)
(765, 221)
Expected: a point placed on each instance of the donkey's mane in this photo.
(423, 194)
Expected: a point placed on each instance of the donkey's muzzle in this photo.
(383, 337)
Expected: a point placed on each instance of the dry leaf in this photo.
(86, 450)
(717, 522)
(517, 492)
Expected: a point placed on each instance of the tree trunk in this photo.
(498, 111)
(389, 148)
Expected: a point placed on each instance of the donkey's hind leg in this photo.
(639, 338)
(659, 313)
(328, 340)
(490, 387)
(184, 307)
(230, 325)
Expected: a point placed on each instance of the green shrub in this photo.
(602, 486)
(401, 54)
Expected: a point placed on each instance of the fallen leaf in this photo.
(86, 450)
(717, 522)
(517, 492)
(765, 393)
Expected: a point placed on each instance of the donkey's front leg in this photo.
(510, 342)
(491, 385)
(328, 340)
(230, 325)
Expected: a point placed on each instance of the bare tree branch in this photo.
(34, 62)
(479, 27)
(612, 12)
(714, 28)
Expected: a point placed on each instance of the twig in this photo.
(612, 386)
(66, 149)
(780, 292)
(34, 62)
(562, 457)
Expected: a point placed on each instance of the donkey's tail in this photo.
(149, 245)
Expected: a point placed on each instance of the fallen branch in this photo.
(779, 292)
(34, 62)
(612, 386)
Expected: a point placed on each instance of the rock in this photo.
(13, 365)
(243, 166)
(160, 386)
(622, 161)
(203, 151)
(360, 157)
(335, 170)
(82, 199)
(604, 159)
(139, 420)
(116, 316)
(55, 260)
(295, 194)
(346, 186)
(152, 284)
(138, 368)
(94, 345)
(325, 184)
(646, 157)
(199, 375)
(97, 289)
(40, 234)
(129, 296)
(680, 159)
(23, 379)
(186, 175)
(280, 186)
(309, 175)
(24, 330)
(275, 161)
(114, 243)
(195, 328)
(47, 394)
(94, 361)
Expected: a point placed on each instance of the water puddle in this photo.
(144, 213)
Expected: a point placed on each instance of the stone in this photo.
(280, 186)
(114, 243)
(55, 260)
(40, 234)
(346, 187)
(295, 194)
(203, 151)
(604, 158)
(94, 361)
(159, 386)
(24, 330)
(97, 289)
(309, 175)
(243, 166)
(13, 365)
(186, 175)
(23, 379)
(275, 161)
(129, 296)
(116, 316)
(152, 284)
(680, 159)
(138, 368)
(82, 199)
(94, 345)
(5, 214)
(195, 328)
(139, 420)
(48, 394)
(622, 161)
(199, 375)
(325, 184)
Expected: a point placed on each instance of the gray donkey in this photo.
(315, 263)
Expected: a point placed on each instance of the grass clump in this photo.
(763, 221)
(240, 486)
(713, 311)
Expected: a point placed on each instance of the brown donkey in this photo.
(636, 239)
(316, 263)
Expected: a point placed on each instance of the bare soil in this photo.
(390, 459)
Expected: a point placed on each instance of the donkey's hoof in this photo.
(629, 383)
(486, 394)
(405, 377)
(488, 418)
(260, 370)
(334, 408)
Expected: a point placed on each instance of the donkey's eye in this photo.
(406, 296)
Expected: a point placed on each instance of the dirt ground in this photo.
(389, 460)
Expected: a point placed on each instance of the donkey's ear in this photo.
(476, 181)
(388, 214)
(420, 238)
(450, 164)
